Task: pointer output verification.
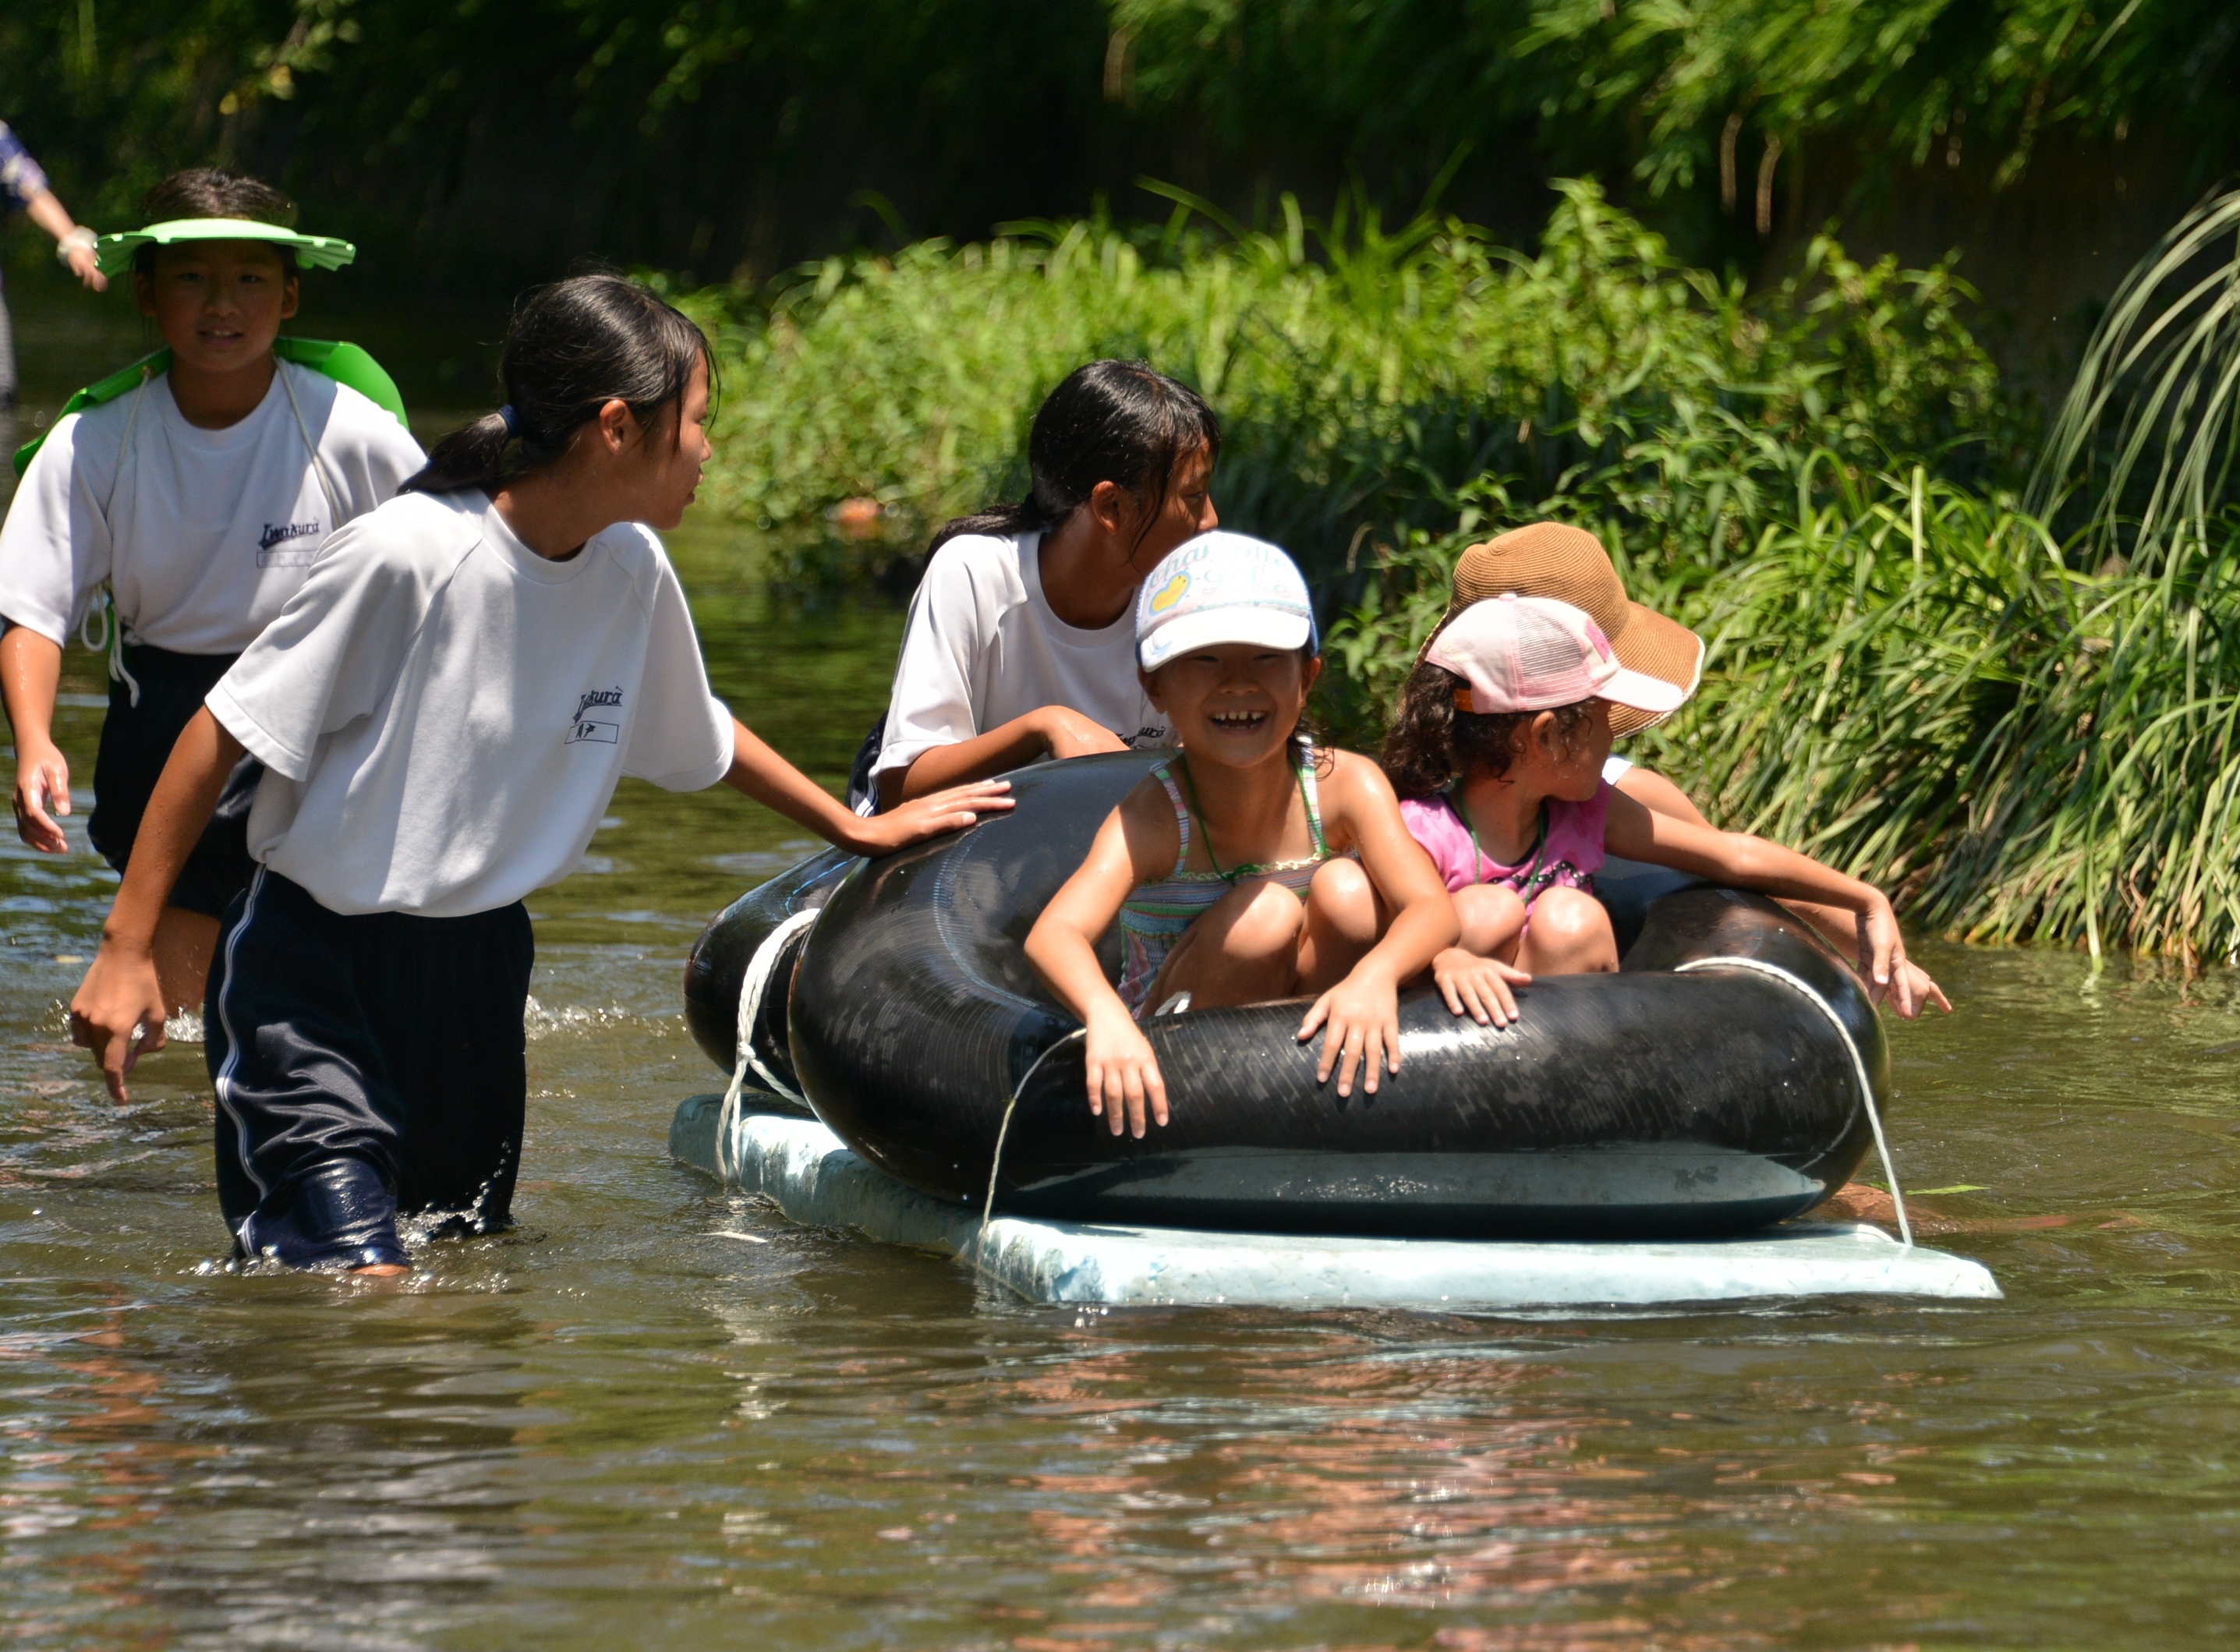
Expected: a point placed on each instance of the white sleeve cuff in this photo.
(256, 738)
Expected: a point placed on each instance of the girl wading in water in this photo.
(444, 710)
(1021, 643)
(193, 495)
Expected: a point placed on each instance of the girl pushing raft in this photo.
(444, 708)
(1252, 865)
(1021, 641)
(1498, 748)
(193, 495)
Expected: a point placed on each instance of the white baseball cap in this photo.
(1220, 587)
(1534, 653)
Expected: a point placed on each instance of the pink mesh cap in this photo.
(1533, 654)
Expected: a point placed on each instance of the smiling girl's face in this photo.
(217, 304)
(1236, 704)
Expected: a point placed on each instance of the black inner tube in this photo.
(1648, 1104)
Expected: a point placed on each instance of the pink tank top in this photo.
(1569, 857)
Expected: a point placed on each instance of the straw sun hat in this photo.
(1550, 559)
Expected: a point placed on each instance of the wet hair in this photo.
(1433, 743)
(214, 192)
(571, 349)
(1120, 422)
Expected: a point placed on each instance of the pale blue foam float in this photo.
(811, 1175)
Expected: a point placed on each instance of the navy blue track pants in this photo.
(367, 1067)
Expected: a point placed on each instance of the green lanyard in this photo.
(1478, 856)
(1206, 831)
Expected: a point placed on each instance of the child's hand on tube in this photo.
(1360, 1017)
(1478, 987)
(118, 1013)
(932, 814)
(1124, 1086)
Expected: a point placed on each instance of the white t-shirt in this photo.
(443, 714)
(1614, 768)
(983, 647)
(201, 534)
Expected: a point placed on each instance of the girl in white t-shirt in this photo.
(1021, 643)
(444, 708)
(194, 501)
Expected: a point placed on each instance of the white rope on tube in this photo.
(752, 987)
(995, 1160)
(1758, 966)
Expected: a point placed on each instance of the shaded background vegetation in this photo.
(495, 139)
(1787, 301)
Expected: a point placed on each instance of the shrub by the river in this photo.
(1364, 377)
(1917, 684)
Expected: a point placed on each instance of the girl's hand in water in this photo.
(119, 997)
(1124, 1086)
(1478, 987)
(931, 815)
(1883, 960)
(1916, 991)
(1361, 1022)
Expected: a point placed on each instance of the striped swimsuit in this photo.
(1156, 914)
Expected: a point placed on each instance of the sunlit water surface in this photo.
(656, 1417)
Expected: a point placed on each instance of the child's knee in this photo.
(1258, 920)
(1572, 925)
(1491, 915)
(1342, 896)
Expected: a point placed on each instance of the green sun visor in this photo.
(312, 252)
(345, 363)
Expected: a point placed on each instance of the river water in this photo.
(625, 1424)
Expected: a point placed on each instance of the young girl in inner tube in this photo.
(443, 707)
(1557, 560)
(1498, 749)
(1252, 865)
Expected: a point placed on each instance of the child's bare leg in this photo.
(1245, 950)
(184, 941)
(1569, 935)
(1345, 917)
(1492, 916)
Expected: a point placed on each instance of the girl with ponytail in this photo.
(1021, 643)
(444, 710)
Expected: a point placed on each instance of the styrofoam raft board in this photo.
(813, 1177)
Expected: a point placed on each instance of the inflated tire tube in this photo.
(1654, 1102)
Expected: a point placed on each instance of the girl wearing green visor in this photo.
(188, 495)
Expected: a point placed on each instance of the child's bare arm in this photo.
(760, 773)
(1752, 862)
(1912, 989)
(1124, 1085)
(120, 996)
(1361, 1013)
